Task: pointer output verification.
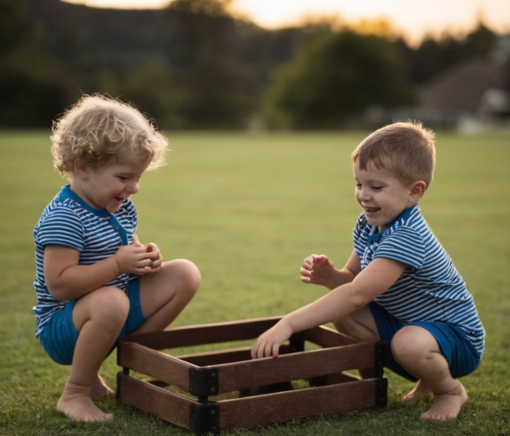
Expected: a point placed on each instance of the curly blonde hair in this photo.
(405, 148)
(99, 129)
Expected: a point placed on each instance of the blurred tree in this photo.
(435, 56)
(194, 65)
(335, 80)
(150, 87)
(28, 96)
(11, 33)
(212, 79)
(480, 42)
(31, 87)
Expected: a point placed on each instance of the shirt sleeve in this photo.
(360, 236)
(405, 245)
(61, 227)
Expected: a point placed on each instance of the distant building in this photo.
(469, 97)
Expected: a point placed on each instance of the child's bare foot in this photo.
(100, 389)
(448, 404)
(76, 403)
(421, 390)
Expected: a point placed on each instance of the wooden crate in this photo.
(206, 376)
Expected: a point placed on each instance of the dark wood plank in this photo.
(326, 337)
(204, 334)
(154, 364)
(217, 357)
(333, 379)
(295, 366)
(223, 356)
(151, 399)
(253, 412)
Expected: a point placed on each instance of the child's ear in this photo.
(417, 190)
(81, 169)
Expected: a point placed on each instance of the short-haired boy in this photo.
(399, 284)
(95, 282)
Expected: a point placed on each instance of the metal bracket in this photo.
(204, 417)
(381, 392)
(381, 358)
(204, 382)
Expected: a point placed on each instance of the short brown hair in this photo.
(404, 148)
(99, 129)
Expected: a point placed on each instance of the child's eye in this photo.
(376, 188)
(122, 178)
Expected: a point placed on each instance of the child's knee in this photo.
(408, 344)
(112, 304)
(187, 276)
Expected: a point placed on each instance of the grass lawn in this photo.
(247, 209)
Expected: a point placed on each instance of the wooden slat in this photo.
(333, 379)
(217, 357)
(203, 334)
(285, 406)
(224, 356)
(326, 337)
(151, 399)
(154, 364)
(295, 366)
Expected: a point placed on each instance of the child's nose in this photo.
(364, 194)
(132, 187)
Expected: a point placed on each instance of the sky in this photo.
(412, 18)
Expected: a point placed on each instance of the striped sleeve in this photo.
(405, 245)
(360, 236)
(62, 227)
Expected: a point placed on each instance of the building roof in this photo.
(463, 88)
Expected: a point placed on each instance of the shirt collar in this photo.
(404, 216)
(67, 193)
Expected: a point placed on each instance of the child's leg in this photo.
(99, 317)
(418, 352)
(360, 325)
(164, 295)
(100, 389)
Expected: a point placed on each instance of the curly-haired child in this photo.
(95, 282)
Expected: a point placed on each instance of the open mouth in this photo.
(371, 209)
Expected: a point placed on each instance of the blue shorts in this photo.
(460, 354)
(59, 335)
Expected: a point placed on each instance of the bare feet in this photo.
(100, 389)
(448, 404)
(421, 390)
(76, 403)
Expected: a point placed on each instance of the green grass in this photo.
(247, 209)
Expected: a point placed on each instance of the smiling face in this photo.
(107, 187)
(382, 196)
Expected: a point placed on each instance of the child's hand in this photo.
(269, 342)
(154, 255)
(132, 259)
(317, 269)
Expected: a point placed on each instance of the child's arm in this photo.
(67, 280)
(337, 304)
(319, 270)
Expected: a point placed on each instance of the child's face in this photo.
(107, 187)
(381, 195)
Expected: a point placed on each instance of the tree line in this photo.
(193, 65)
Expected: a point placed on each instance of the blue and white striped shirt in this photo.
(96, 234)
(430, 289)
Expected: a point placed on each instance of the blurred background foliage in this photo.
(193, 65)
